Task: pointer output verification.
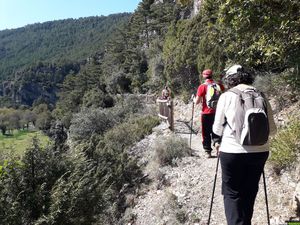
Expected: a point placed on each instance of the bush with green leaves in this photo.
(180, 55)
(229, 32)
(284, 86)
(124, 135)
(285, 145)
(73, 187)
(84, 192)
(170, 149)
(89, 122)
(128, 105)
(26, 184)
(90, 192)
(96, 98)
(96, 121)
(252, 33)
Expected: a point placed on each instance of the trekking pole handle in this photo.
(192, 97)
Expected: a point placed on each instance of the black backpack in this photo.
(212, 96)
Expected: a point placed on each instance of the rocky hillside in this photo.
(182, 194)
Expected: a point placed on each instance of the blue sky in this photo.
(18, 13)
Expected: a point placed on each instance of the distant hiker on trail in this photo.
(166, 93)
(208, 93)
(243, 122)
(166, 109)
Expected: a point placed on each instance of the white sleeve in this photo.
(219, 122)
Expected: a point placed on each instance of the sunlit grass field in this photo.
(17, 142)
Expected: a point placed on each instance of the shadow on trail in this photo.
(184, 127)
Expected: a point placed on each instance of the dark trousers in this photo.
(240, 180)
(207, 121)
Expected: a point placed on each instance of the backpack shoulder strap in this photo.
(235, 91)
(207, 83)
(238, 91)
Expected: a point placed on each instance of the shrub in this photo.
(96, 98)
(90, 192)
(126, 134)
(284, 87)
(145, 125)
(285, 145)
(173, 208)
(26, 184)
(170, 149)
(90, 121)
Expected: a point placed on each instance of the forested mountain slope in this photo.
(55, 41)
(35, 59)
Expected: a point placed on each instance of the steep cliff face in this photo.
(192, 9)
(39, 83)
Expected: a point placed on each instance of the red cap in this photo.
(207, 73)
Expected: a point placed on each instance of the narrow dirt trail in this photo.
(185, 196)
(182, 194)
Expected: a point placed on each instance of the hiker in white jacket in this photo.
(242, 165)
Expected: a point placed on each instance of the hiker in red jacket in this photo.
(208, 110)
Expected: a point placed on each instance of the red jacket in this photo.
(201, 92)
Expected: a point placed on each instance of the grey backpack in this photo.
(251, 118)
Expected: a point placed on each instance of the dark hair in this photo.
(241, 77)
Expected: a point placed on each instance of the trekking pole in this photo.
(266, 197)
(192, 126)
(213, 192)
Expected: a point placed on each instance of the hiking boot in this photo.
(208, 155)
